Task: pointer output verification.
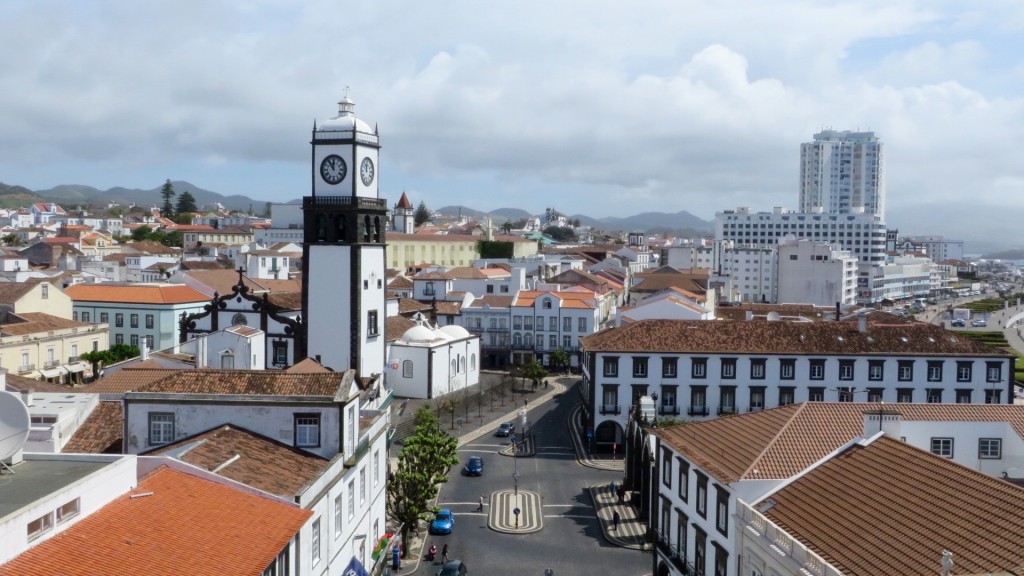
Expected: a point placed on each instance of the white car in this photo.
(979, 323)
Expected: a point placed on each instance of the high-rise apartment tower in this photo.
(843, 173)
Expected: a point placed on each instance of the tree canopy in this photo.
(422, 214)
(533, 371)
(186, 203)
(423, 464)
(167, 191)
(559, 358)
(164, 237)
(561, 233)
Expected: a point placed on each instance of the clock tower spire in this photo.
(343, 247)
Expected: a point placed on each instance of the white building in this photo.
(428, 362)
(938, 248)
(285, 225)
(843, 173)
(812, 273)
(543, 322)
(702, 369)
(863, 234)
(898, 278)
(721, 511)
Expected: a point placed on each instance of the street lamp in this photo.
(654, 396)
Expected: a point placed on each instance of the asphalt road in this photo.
(569, 543)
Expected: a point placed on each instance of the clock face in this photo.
(366, 171)
(333, 169)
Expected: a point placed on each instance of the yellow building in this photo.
(406, 251)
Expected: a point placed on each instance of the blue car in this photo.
(443, 522)
(474, 466)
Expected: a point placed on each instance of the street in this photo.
(569, 539)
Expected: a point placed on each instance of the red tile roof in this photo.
(176, 523)
(889, 508)
(264, 463)
(101, 433)
(836, 338)
(136, 294)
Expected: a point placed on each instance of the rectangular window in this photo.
(846, 394)
(161, 428)
(610, 400)
(933, 395)
(280, 353)
(702, 495)
(787, 395)
(993, 371)
(376, 467)
(135, 320)
(566, 324)
(756, 398)
(640, 367)
(699, 368)
(118, 338)
(372, 326)
(666, 467)
(816, 394)
(700, 544)
(611, 366)
(351, 499)
(904, 395)
(757, 368)
(68, 511)
(104, 317)
(787, 369)
(905, 370)
(728, 368)
(684, 479)
(307, 430)
(846, 370)
(990, 448)
(875, 394)
(553, 324)
(876, 370)
(728, 400)
(362, 486)
(698, 400)
(315, 545)
(963, 395)
(668, 367)
(85, 317)
(582, 325)
(39, 526)
(722, 511)
(817, 370)
(337, 515)
(992, 396)
(943, 447)
(45, 291)
(119, 320)
(150, 321)
(135, 340)
(935, 371)
(963, 371)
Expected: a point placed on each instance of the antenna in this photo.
(15, 423)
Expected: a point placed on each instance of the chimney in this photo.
(838, 312)
(26, 396)
(748, 315)
(883, 419)
(862, 323)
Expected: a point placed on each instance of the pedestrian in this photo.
(444, 554)
(480, 508)
(615, 520)
(621, 493)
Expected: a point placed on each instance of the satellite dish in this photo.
(14, 424)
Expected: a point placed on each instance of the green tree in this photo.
(422, 214)
(11, 240)
(423, 464)
(561, 234)
(507, 227)
(167, 191)
(142, 233)
(534, 372)
(559, 359)
(186, 203)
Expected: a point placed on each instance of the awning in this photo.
(54, 373)
(77, 367)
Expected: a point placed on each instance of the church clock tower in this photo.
(343, 264)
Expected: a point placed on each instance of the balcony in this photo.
(24, 368)
(696, 410)
(674, 555)
(610, 409)
(51, 364)
(673, 410)
(726, 409)
(73, 359)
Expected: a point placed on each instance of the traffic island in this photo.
(515, 512)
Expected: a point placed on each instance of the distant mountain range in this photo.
(680, 224)
(73, 196)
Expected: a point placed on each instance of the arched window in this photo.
(455, 367)
(339, 228)
(376, 229)
(529, 340)
(517, 340)
(462, 364)
(472, 361)
(407, 369)
(366, 228)
(321, 227)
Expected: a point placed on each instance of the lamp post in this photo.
(654, 396)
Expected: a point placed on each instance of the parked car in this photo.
(506, 429)
(454, 568)
(443, 522)
(958, 322)
(474, 466)
(979, 322)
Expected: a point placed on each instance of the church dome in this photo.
(345, 120)
(419, 334)
(454, 332)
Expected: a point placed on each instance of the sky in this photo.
(599, 108)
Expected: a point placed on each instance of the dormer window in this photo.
(546, 303)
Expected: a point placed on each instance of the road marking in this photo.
(591, 517)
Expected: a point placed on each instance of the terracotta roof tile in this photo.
(136, 294)
(101, 433)
(308, 365)
(408, 306)
(264, 463)
(395, 327)
(178, 521)
(890, 508)
(260, 382)
(36, 322)
(826, 338)
(11, 292)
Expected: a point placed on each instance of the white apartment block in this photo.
(285, 225)
(843, 173)
(543, 322)
(863, 234)
(938, 248)
(811, 273)
(701, 370)
(898, 279)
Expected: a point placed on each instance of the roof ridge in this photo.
(771, 443)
